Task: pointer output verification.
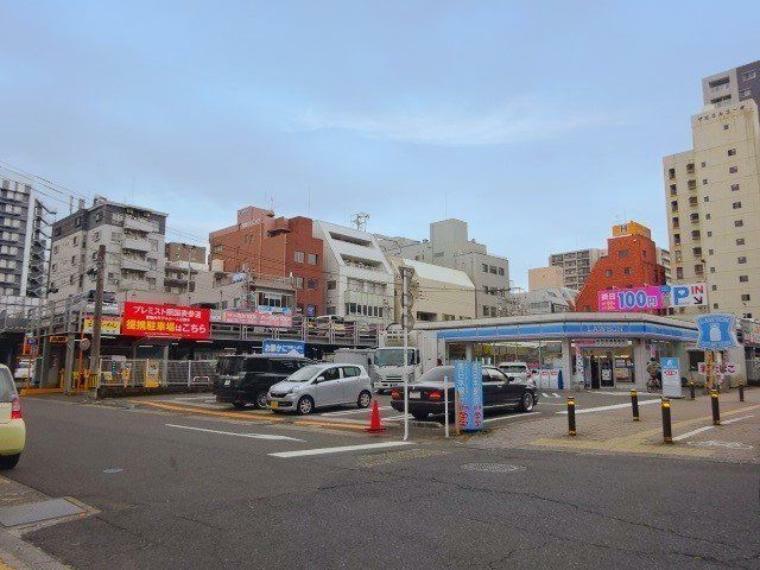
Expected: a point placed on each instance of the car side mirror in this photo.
(510, 378)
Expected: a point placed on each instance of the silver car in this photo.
(321, 385)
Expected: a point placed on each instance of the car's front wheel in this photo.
(527, 402)
(261, 400)
(305, 405)
(365, 398)
(9, 461)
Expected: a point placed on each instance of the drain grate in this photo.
(492, 467)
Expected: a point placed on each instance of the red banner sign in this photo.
(257, 318)
(147, 319)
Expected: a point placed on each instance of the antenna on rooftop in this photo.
(360, 221)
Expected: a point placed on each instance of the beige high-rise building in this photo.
(546, 278)
(713, 201)
(576, 265)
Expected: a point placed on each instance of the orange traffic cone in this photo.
(375, 425)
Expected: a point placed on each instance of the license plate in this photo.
(415, 395)
(274, 405)
(226, 382)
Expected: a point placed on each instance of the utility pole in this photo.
(406, 323)
(97, 321)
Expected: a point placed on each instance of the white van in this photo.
(517, 370)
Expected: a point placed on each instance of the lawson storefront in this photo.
(591, 350)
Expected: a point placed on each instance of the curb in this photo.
(17, 554)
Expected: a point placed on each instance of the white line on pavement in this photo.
(556, 395)
(394, 418)
(691, 433)
(341, 449)
(734, 420)
(248, 435)
(688, 434)
(544, 394)
(606, 408)
(510, 417)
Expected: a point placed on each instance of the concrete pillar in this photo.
(164, 364)
(468, 351)
(640, 360)
(566, 364)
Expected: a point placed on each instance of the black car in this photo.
(499, 391)
(246, 379)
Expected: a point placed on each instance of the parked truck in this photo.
(388, 363)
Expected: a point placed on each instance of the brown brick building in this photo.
(267, 246)
(631, 261)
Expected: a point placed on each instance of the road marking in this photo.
(395, 418)
(544, 394)
(606, 408)
(640, 394)
(700, 430)
(556, 395)
(357, 411)
(691, 433)
(236, 434)
(341, 449)
(734, 420)
(509, 417)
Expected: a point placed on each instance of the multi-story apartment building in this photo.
(712, 195)
(540, 278)
(134, 240)
(631, 262)
(663, 258)
(360, 280)
(24, 228)
(185, 268)
(576, 265)
(264, 246)
(450, 246)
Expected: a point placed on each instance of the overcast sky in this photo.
(540, 125)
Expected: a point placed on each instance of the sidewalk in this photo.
(607, 431)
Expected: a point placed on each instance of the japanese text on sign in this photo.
(468, 381)
(146, 319)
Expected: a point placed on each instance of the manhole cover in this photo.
(492, 467)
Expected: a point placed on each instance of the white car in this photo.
(12, 427)
(321, 385)
(519, 371)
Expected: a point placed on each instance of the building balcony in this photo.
(134, 264)
(135, 244)
(133, 284)
(140, 225)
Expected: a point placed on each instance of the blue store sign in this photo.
(468, 381)
(286, 347)
(717, 331)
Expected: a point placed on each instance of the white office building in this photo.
(359, 279)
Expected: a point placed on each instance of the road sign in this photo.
(671, 377)
(287, 347)
(717, 331)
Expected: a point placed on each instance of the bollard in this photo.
(667, 431)
(715, 407)
(692, 395)
(571, 416)
(635, 405)
(741, 392)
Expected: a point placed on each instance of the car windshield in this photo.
(393, 356)
(437, 374)
(304, 374)
(229, 364)
(7, 387)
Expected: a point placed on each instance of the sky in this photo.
(541, 124)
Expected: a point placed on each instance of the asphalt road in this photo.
(172, 497)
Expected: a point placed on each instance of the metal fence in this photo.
(155, 373)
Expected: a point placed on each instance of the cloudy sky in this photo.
(540, 123)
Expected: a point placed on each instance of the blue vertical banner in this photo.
(468, 382)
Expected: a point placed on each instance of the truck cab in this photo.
(390, 367)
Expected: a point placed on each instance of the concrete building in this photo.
(732, 86)
(576, 265)
(663, 258)
(265, 246)
(631, 262)
(546, 301)
(540, 278)
(185, 269)
(438, 293)
(450, 246)
(360, 280)
(712, 195)
(134, 240)
(24, 235)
